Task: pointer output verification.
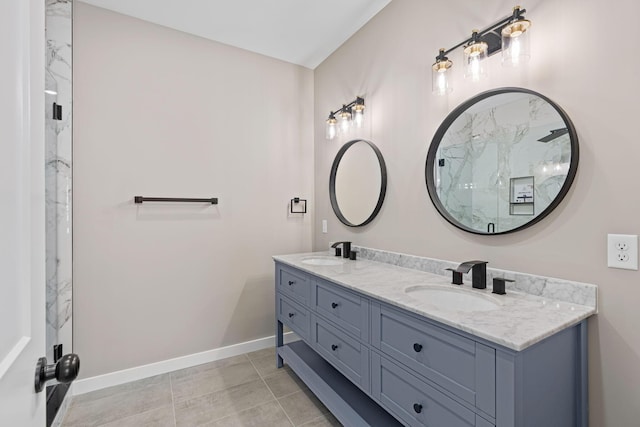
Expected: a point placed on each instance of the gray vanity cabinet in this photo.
(372, 363)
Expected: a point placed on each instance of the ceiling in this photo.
(303, 32)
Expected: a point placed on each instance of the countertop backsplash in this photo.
(546, 287)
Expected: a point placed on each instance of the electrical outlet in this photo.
(622, 246)
(622, 251)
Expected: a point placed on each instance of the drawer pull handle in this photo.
(417, 347)
(291, 282)
(334, 304)
(417, 407)
(291, 315)
(334, 347)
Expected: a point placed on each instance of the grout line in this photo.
(110, 423)
(321, 417)
(173, 402)
(125, 391)
(235, 414)
(190, 378)
(292, 393)
(274, 396)
(223, 389)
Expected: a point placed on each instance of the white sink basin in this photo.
(323, 260)
(451, 299)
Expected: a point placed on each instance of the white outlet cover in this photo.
(626, 259)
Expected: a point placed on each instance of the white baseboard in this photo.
(133, 374)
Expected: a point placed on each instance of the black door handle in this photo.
(417, 347)
(334, 347)
(334, 304)
(417, 407)
(65, 370)
(291, 315)
(291, 282)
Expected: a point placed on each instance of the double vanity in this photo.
(393, 342)
(388, 339)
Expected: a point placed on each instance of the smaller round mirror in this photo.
(358, 183)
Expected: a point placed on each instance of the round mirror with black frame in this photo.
(357, 183)
(501, 161)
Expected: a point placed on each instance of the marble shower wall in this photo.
(58, 193)
(493, 142)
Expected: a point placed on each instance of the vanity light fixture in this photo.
(475, 52)
(440, 74)
(510, 35)
(358, 113)
(345, 120)
(332, 127)
(349, 115)
(515, 39)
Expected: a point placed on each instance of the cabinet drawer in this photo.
(344, 352)
(458, 364)
(415, 402)
(294, 284)
(347, 309)
(294, 316)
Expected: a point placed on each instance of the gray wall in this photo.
(162, 113)
(389, 61)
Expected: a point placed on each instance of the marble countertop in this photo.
(520, 321)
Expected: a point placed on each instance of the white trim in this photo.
(133, 374)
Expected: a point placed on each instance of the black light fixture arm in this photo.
(347, 107)
(515, 16)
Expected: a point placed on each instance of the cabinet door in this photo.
(458, 364)
(413, 401)
(347, 309)
(294, 316)
(293, 283)
(346, 353)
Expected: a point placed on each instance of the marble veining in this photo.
(502, 139)
(58, 173)
(547, 287)
(522, 319)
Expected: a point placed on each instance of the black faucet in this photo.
(346, 249)
(499, 285)
(478, 275)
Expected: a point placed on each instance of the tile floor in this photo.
(245, 390)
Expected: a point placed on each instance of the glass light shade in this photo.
(358, 115)
(515, 43)
(331, 129)
(345, 121)
(474, 61)
(440, 77)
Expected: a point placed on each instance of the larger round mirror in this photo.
(358, 183)
(501, 161)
